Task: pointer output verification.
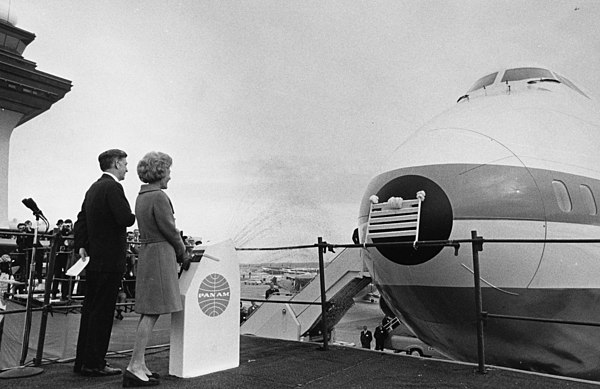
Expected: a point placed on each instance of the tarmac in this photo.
(273, 363)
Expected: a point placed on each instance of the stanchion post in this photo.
(477, 244)
(321, 248)
(30, 288)
(22, 370)
(37, 361)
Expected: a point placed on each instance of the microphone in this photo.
(29, 203)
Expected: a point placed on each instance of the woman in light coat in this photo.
(157, 285)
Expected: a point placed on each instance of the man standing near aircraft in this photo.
(101, 232)
(366, 337)
(380, 336)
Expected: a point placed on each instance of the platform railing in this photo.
(322, 246)
(47, 307)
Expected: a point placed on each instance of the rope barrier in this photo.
(312, 246)
(452, 243)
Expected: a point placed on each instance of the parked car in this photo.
(412, 346)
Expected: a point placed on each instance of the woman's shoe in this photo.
(154, 375)
(130, 380)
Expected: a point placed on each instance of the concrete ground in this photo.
(272, 363)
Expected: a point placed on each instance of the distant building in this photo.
(25, 93)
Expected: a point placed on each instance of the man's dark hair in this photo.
(108, 157)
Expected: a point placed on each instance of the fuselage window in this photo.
(588, 199)
(562, 196)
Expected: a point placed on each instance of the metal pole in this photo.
(27, 323)
(323, 296)
(37, 361)
(477, 247)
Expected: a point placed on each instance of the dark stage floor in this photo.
(272, 363)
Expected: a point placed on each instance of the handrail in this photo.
(390, 325)
(280, 301)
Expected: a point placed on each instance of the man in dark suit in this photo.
(101, 232)
(365, 338)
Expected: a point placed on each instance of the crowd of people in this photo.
(16, 264)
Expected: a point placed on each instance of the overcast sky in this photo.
(276, 113)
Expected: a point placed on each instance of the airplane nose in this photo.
(435, 222)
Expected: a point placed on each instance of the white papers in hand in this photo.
(78, 266)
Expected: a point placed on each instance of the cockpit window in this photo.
(518, 74)
(568, 83)
(484, 81)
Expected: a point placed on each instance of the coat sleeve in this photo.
(119, 206)
(81, 231)
(163, 214)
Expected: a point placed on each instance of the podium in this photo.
(205, 336)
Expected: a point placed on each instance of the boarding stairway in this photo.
(345, 277)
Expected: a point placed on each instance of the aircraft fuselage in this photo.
(517, 159)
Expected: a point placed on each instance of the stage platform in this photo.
(272, 363)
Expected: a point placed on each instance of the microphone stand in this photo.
(22, 370)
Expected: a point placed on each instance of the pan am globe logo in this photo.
(214, 295)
